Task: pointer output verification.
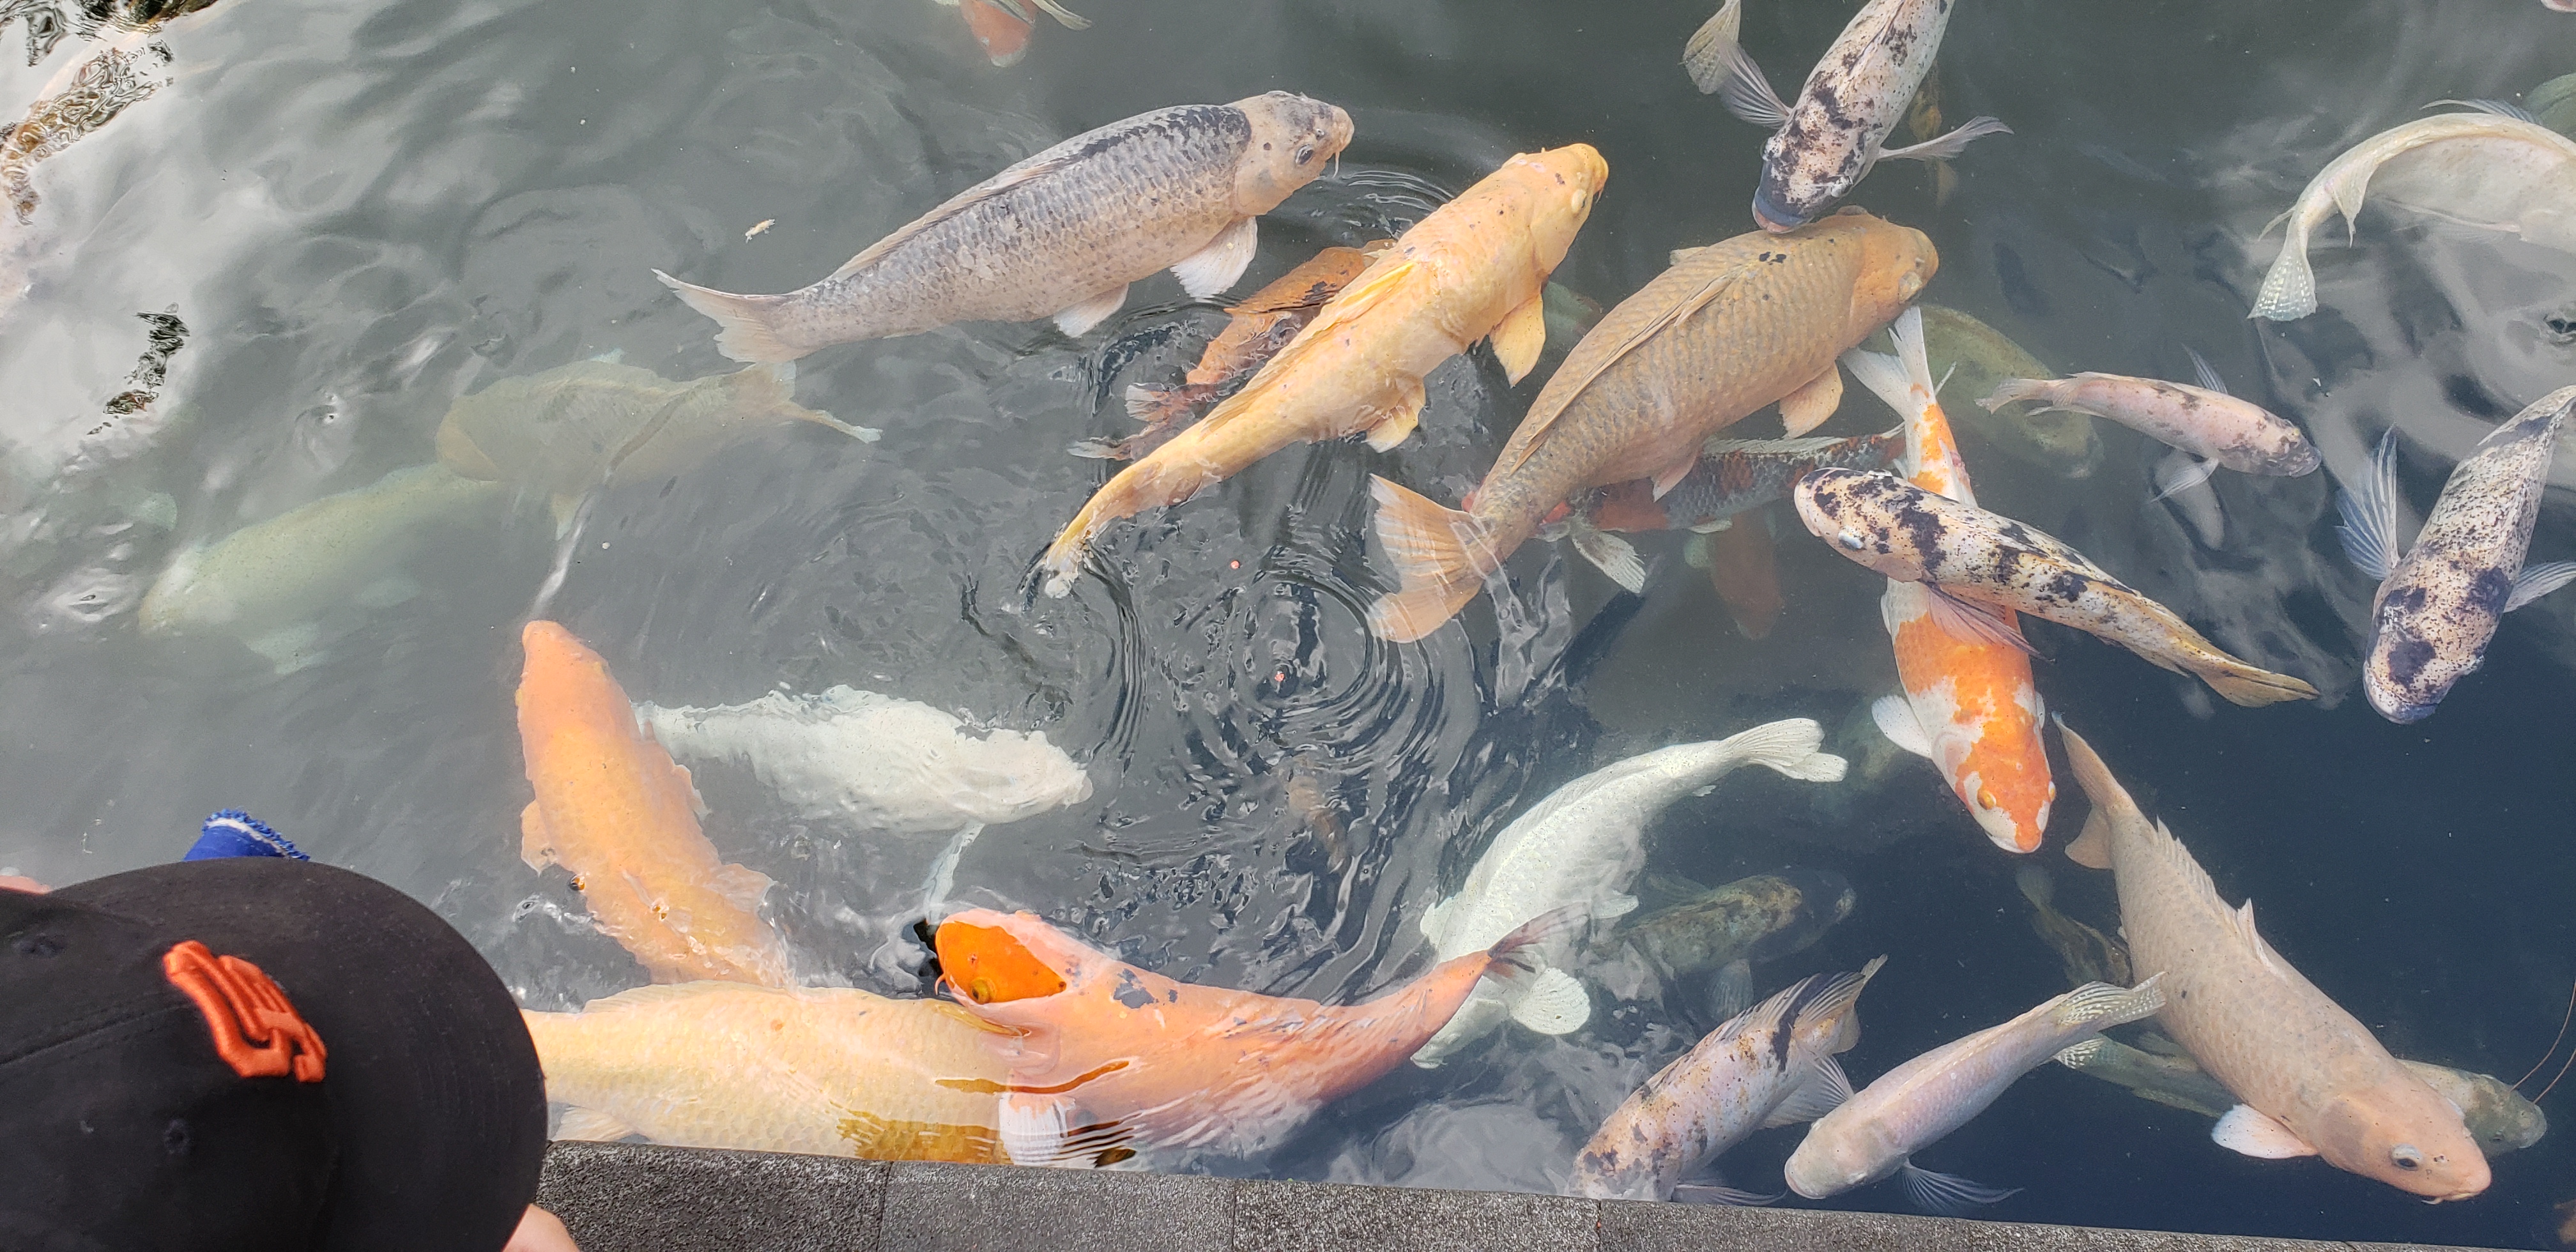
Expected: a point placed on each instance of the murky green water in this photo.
(361, 212)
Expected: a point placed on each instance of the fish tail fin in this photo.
(2111, 802)
(2250, 687)
(2289, 289)
(1163, 478)
(1790, 746)
(746, 325)
(2014, 391)
(1156, 407)
(1441, 558)
(1519, 951)
(2098, 1006)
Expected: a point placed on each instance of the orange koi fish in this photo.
(1002, 27)
(1969, 702)
(613, 808)
(1744, 571)
(1109, 1052)
(1475, 269)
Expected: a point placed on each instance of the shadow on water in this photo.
(355, 215)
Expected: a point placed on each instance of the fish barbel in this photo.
(2310, 1080)
(613, 808)
(1475, 268)
(1970, 560)
(1826, 143)
(1970, 706)
(2213, 429)
(1103, 1052)
(1727, 330)
(2484, 168)
(1060, 234)
(1877, 1131)
(2439, 604)
(831, 1071)
(1772, 1065)
(2494, 1113)
(1255, 331)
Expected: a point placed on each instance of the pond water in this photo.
(330, 221)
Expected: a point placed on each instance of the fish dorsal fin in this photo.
(1028, 171)
(2244, 1129)
(669, 993)
(2368, 508)
(1535, 427)
(1553, 1003)
(2262, 951)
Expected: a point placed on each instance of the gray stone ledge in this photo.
(641, 1198)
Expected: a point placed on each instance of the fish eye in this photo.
(980, 990)
(2406, 1156)
(1305, 152)
(1581, 198)
(1852, 541)
(1985, 798)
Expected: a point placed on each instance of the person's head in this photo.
(256, 1052)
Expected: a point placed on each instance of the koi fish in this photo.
(1727, 330)
(1474, 269)
(1060, 234)
(1002, 27)
(1744, 570)
(1255, 331)
(1973, 561)
(1771, 1066)
(1969, 357)
(1877, 1132)
(2486, 168)
(2209, 428)
(2440, 601)
(2086, 954)
(1970, 704)
(2493, 1112)
(1761, 918)
(612, 808)
(2309, 1079)
(1104, 1053)
(829, 1071)
(1582, 847)
(1732, 476)
(1830, 139)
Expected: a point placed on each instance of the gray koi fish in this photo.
(1975, 562)
(2438, 605)
(1826, 143)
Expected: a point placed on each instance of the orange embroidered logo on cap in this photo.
(256, 1029)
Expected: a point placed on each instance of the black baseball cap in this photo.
(256, 1053)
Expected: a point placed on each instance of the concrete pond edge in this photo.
(647, 1198)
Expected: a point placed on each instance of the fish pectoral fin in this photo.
(1394, 423)
(1944, 147)
(2082, 1055)
(536, 847)
(1721, 67)
(1815, 400)
(1896, 720)
(2092, 846)
(2536, 581)
(592, 1125)
(1962, 620)
(1520, 337)
(1612, 555)
(2253, 1133)
(1948, 1195)
(1611, 908)
(1063, 16)
(2205, 372)
(1731, 1197)
(1731, 991)
(1039, 1130)
(1823, 1090)
(1215, 267)
(2179, 472)
(1077, 321)
(1550, 1002)
(1671, 476)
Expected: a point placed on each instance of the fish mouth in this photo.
(1773, 217)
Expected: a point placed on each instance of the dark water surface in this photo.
(361, 211)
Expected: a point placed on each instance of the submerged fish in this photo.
(831, 1071)
(1002, 27)
(1473, 269)
(1969, 358)
(267, 583)
(1855, 96)
(2495, 1114)
(1732, 476)
(612, 808)
(1744, 570)
(2482, 168)
(1972, 561)
(2212, 429)
(1772, 1066)
(1105, 1053)
(1760, 918)
(578, 427)
(1255, 331)
(2309, 1079)
(1582, 846)
(2086, 954)
(1728, 329)
(2439, 601)
(877, 762)
(1060, 234)
(1877, 1132)
(103, 87)
(1970, 705)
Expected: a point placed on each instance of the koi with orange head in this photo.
(1105, 1058)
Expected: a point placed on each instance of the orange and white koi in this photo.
(1970, 705)
(1109, 1054)
(1002, 27)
